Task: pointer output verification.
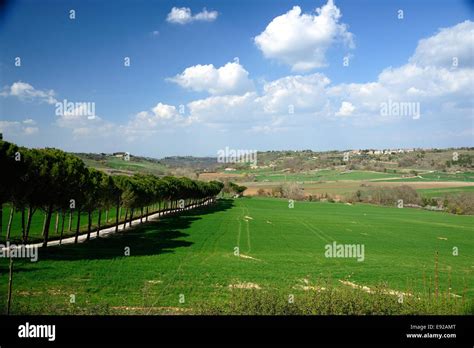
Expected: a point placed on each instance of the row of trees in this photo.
(232, 188)
(56, 182)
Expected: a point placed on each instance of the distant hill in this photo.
(119, 165)
(196, 163)
(388, 160)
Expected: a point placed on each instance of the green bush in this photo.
(334, 301)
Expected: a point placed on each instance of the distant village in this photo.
(359, 152)
(382, 152)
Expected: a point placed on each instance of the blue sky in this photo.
(290, 57)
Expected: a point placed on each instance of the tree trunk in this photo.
(78, 226)
(98, 222)
(89, 224)
(10, 285)
(125, 220)
(107, 216)
(62, 227)
(117, 216)
(146, 218)
(141, 215)
(70, 220)
(46, 227)
(23, 229)
(28, 224)
(56, 227)
(44, 224)
(131, 218)
(10, 220)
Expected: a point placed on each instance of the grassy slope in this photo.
(133, 165)
(441, 192)
(440, 176)
(325, 175)
(193, 255)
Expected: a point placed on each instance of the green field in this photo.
(267, 175)
(325, 175)
(441, 192)
(440, 176)
(133, 165)
(142, 166)
(280, 249)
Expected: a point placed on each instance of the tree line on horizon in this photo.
(53, 181)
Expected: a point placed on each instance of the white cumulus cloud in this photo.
(301, 40)
(444, 94)
(183, 15)
(163, 111)
(25, 91)
(448, 46)
(223, 109)
(231, 78)
(149, 120)
(25, 127)
(299, 92)
(346, 109)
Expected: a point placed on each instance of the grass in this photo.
(440, 176)
(324, 175)
(347, 189)
(140, 166)
(441, 192)
(281, 252)
(133, 165)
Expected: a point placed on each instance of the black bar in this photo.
(242, 330)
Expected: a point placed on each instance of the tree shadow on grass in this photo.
(151, 238)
